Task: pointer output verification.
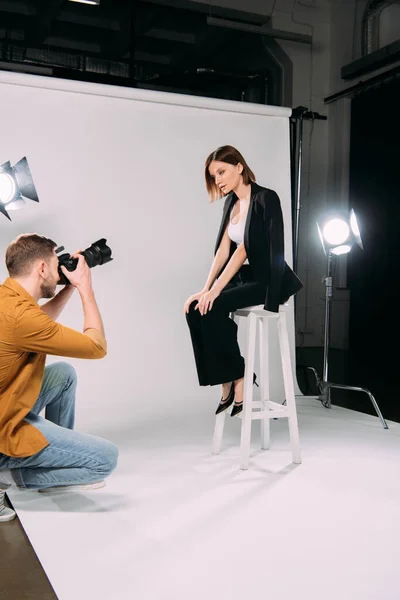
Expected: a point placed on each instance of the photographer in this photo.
(39, 453)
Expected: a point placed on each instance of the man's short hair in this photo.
(25, 250)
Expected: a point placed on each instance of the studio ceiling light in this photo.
(16, 183)
(93, 2)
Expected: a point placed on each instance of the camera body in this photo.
(97, 254)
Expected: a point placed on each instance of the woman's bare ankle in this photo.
(239, 387)
(226, 388)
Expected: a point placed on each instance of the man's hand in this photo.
(81, 277)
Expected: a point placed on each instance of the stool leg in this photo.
(248, 393)
(289, 387)
(264, 381)
(218, 432)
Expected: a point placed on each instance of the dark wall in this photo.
(374, 272)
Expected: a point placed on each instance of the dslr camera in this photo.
(97, 254)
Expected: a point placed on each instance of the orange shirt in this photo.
(27, 334)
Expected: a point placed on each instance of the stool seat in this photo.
(264, 409)
(259, 311)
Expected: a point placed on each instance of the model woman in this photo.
(248, 269)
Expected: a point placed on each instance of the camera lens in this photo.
(97, 254)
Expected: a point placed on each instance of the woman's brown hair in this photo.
(226, 154)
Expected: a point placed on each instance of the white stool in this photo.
(265, 409)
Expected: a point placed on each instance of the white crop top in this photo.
(236, 232)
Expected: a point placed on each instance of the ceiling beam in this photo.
(260, 30)
(207, 9)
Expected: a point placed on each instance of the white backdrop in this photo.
(127, 165)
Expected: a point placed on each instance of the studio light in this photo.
(16, 183)
(338, 234)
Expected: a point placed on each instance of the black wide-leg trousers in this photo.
(214, 335)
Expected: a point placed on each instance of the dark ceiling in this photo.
(159, 44)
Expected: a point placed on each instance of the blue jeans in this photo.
(71, 457)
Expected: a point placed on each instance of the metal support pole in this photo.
(328, 297)
(298, 190)
(325, 394)
(299, 114)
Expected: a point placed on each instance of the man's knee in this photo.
(108, 458)
(68, 371)
(63, 371)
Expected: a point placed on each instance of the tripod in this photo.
(323, 384)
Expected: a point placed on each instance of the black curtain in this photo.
(374, 273)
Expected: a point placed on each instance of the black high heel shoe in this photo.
(255, 380)
(237, 408)
(224, 404)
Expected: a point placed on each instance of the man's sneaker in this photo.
(6, 513)
(80, 487)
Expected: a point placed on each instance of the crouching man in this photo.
(36, 452)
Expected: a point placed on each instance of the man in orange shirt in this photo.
(39, 453)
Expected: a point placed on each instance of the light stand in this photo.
(297, 118)
(333, 249)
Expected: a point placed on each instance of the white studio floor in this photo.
(176, 522)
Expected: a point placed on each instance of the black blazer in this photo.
(264, 245)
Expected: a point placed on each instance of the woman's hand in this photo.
(192, 299)
(206, 300)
